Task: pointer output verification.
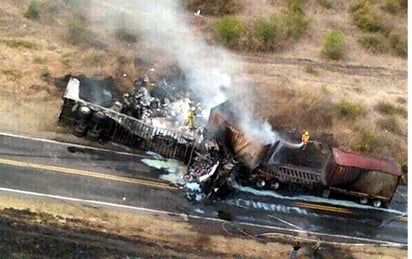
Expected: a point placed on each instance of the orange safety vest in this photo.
(305, 139)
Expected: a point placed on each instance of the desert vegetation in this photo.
(264, 34)
(334, 46)
(375, 18)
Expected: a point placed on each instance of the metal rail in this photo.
(132, 132)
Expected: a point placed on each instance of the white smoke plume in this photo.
(208, 69)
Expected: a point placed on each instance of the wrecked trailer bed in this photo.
(86, 119)
(314, 167)
(371, 180)
(289, 174)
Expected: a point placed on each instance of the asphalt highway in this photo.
(122, 180)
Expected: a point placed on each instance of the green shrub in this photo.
(19, 43)
(348, 110)
(333, 46)
(366, 16)
(390, 125)
(295, 6)
(366, 143)
(375, 43)
(33, 11)
(77, 31)
(265, 31)
(399, 43)
(123, 34)
(389, 109)
(403, 4)
(391, 6)
(293, 23)
(328, 4)
(214, 7)
(230, 29)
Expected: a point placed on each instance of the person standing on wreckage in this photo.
(305, 139)
(191, 118)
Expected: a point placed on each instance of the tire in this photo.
(363, 200)
(260, 183)
(377, 203)
(79, 131)
(275, 185)
(84, 112)
(93, 135)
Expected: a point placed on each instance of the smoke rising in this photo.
(208, 69)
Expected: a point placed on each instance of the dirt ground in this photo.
(40, 228)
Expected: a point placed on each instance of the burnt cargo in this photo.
(223, 124)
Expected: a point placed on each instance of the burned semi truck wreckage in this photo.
(220, 156)
(91, 120)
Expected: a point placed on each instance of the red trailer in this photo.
(368, 178)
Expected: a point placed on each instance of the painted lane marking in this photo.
(72, 145)
(72, 171)
(185, 216)
(323, 207)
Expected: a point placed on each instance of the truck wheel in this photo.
(84, 112)
(377, 203)
(363, 200)
(260, 183)
(275, 185)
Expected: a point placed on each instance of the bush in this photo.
(126, 35)
(77, 31)
(328, 4)
(265, 31)
(399, 43)
(366, 17)
(33, 11)
(389, 109)
(19, 43)
(230, 29)
(294, 23)
(391, 125)
(334, 47)
(214, 7)
(375, 43)
(404, 4)
(348, 110)
(366, 143)
(391, 6)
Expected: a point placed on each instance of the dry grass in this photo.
(173, 231)
(166, 230)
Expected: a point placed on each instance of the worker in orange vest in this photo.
(190, 118)
(305, 138)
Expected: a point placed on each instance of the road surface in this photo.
(54, 170)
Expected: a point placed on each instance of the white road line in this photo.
(185, 216)
(70, 144)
